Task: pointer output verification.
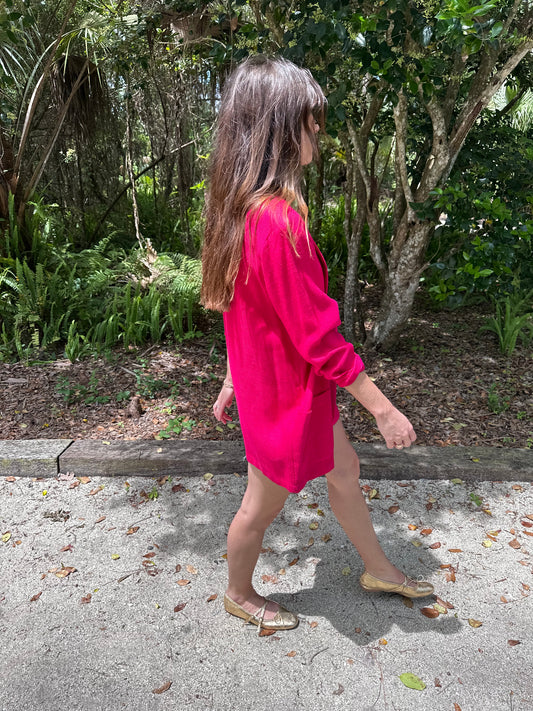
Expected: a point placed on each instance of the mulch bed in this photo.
(448, 377)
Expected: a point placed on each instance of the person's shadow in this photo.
(359, 615)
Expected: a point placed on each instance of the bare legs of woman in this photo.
(262, 502)
(348, 505)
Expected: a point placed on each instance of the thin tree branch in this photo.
(128, 185)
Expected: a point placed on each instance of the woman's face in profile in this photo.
(306, 150)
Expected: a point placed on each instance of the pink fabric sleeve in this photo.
(294, 283)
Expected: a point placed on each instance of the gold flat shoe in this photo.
(372, 584)
(284, 620)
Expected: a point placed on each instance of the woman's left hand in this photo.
(224, 400)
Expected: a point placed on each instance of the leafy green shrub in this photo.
(484, 247)
(513, 320)
(93, 299)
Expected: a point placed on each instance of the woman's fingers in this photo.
(219, 408)
(396, 429)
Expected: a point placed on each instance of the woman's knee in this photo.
(346, 470)
(263, 500)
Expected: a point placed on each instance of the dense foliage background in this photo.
(106, 110)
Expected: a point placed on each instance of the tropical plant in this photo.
(513, 320)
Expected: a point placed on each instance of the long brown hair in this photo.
(256, 156)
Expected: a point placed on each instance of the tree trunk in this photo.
(401, 282)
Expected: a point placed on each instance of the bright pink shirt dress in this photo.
(286, 355)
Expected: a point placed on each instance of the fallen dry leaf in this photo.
(437, 682)
(527, 524)
(426, 531)
(436, 545)
(266, 633)
(294, 561)
(339, 691)
(407, 602)
(95, 491)
(444, 603)
(412, 527)
(456, 707)
(212, 597)
(441, 609)
(132, 530)
(6, 536)
(383, 641)
(270, 579)
(36, 597)
(85, 600)
(373, 494)
(63, 572)
(525, 586)
(474, 623)
(152, 554)
(74, 484)
(527, 533)
(450, 576)
(99, 520)
(514, 543)
(83, 479)
(503, 599)
(66, 548)
(291, 654)
(10, 479)
(393, 509)
(429, 612)
(313, 525)
(326, 537)
(313, 624)
(180, 607)
(166, 686)
(183, 582)
(178, 567)
(513, 642)
(191, 569)
(455, 550)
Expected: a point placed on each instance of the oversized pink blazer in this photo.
(285, 352)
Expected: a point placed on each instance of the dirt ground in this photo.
(445, 375)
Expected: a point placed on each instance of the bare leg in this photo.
(262, 502)
(349, 506)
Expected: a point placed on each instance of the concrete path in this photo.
(111, 591)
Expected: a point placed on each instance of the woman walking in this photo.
(286, 357)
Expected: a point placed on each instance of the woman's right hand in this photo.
(224, 400)
(396, 429)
